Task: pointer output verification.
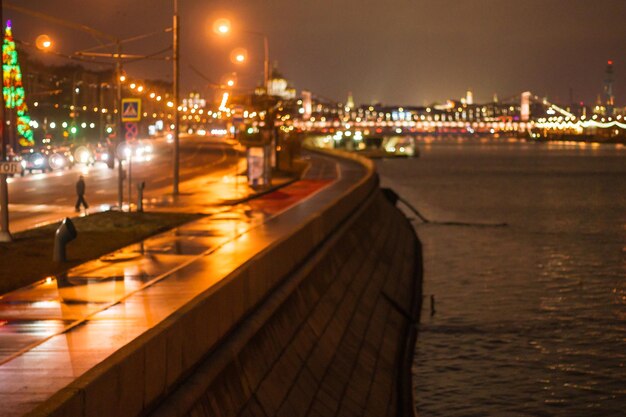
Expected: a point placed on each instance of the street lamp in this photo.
(223, 27)
(43, 42)
(176, 87)
(228, 80)
(239, 55)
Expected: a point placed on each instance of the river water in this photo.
(530, 319)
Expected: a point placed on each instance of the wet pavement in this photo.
(55, 330)
(40, 199)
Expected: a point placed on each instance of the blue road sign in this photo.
(131, 110)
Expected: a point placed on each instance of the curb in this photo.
(260, 193)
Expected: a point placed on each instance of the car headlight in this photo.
(23, 164)
(82, 155)
(105, 156)
(38, 162)
(57, 161)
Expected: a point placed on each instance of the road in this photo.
(41, 198)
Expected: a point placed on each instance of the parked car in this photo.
(60, 158)
(35, 161)
(83, 155)
(101, 153)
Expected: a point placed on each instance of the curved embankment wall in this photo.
(319, 323)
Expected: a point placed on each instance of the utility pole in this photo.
(5, 235)
(120, 137)
(266, 69)
(176, 79)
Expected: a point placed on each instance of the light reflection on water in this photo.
(531, 318)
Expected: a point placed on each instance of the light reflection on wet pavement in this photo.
(62, 326)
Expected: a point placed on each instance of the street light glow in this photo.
(239, 56)
(221, 26)
(43, 42)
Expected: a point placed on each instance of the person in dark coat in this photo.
(80, 192)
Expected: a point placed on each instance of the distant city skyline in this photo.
(397, 52)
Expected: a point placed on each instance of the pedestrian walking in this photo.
(80, 192)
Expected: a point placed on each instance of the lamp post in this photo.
(5, 235)
(176, 87)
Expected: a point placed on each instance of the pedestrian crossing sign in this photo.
(131, 109)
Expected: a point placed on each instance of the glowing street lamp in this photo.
(43, 42)
(239, 56)
(229, 80)
(221, 26)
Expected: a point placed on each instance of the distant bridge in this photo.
(505, 117)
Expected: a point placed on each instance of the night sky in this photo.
(393, 51)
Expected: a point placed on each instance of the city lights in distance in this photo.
(224, 101)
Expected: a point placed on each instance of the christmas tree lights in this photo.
(13, 89)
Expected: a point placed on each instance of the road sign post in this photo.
(10, 168)
(131, 131)
(130, 115)
(131, 110)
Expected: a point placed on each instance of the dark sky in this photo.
(391, 51)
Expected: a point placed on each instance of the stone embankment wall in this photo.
(335, 339)
(319, 324)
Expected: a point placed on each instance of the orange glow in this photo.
(239, 56)
(43, 42)
(224, 101)
(221, 26)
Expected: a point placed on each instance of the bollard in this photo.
(140, 186)
(64, 234)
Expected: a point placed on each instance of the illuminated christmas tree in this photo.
(13, 89)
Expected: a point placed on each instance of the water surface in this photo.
(531, 318)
